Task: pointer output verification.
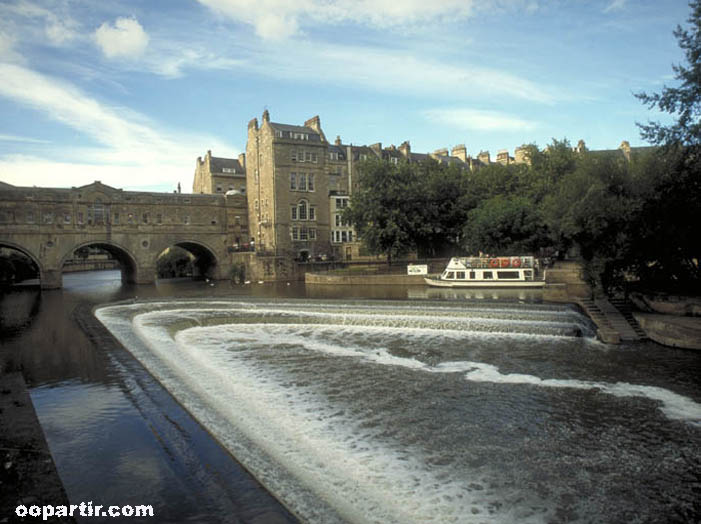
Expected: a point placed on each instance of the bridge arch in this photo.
(205, 263)
(26, 252)
(126, 259)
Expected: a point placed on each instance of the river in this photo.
(378, 404)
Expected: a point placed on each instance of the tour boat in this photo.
(488, 272)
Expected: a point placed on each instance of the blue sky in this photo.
(131, 93)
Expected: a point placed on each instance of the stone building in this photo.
(219, 175)
(288, 178)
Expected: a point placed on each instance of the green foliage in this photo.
(665, 251)
(383, 208)
(505, 224)
(683, 102)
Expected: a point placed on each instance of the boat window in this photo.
(460, 275)
(507, 275)
(472, 275)
(450, 275)
(487, 275)
(528, 274)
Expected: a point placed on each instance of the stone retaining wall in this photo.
(382, 280)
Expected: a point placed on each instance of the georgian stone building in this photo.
(297, 184)
(219, 175)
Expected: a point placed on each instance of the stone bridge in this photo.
(48, 225)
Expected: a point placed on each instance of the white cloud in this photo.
(126, 38)
(133, 148)
(478, 120)
(42, 172)
(615, 5)
(16, 138)
(277, 19)
(396, 71)
(58, 27)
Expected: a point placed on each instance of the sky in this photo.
(130, 93)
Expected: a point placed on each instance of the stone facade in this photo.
(288, 188)
(219, 175)
(48, 225)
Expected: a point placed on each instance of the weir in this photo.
(409, 411)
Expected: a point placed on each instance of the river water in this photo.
(434, 406)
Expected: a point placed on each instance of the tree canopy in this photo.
(684, 101)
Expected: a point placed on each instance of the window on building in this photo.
(302, 182)
(219, 189)
(144, 218)
(255, 204)
(315, 158)
(115, 218)
(312, 234)
(302, 210)
(67, 218)
(310, 182)
(98, 211)
(307, 156)
(130, 218)
(228, 170)
(300, 155)
(278, 133)
(350, 236)
(80, 217)
(159, 218)
(312, 213)
(295, 233)
(303, 233)
(293, 155)
(293, 212)
(293, 181)
(48, 218)
(30, 217)
(338, 220)
(186, 219)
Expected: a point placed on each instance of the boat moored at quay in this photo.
(511, 271)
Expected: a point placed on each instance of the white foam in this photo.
(272, 424)
(674, 406)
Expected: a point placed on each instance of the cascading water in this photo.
(418, 412)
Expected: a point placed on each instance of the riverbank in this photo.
(28, 475)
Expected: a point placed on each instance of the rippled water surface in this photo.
(454, 410)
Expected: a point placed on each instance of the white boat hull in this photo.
(437, 282)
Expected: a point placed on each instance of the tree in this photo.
(505, 225)
(383, 208)
(683, 102)
(437, 204)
